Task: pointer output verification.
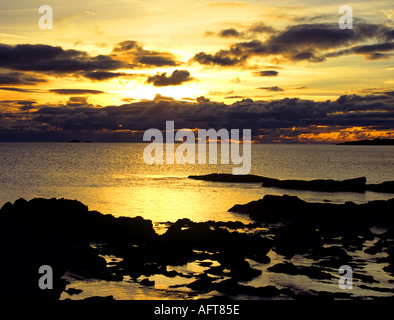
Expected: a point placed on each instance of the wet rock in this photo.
(312, 272)
(232, 287)
(58, 233)
(353, 218)
(376, 248)
(390, 260)
(242, 271)
(333, 256)
(297, 238)
(100, 299)
(325, 295)
(204, 284)
(364, 278)
(147, 282)
(271, 209)
(72, 291)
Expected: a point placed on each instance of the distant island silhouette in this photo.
(78, 141)
(374, 142)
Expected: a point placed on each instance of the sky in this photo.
(108, 71)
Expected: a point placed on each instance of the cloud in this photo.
(249, 32)
(19, 78)
(133, 52)
(229, 33)
(176, 78)
(272, 89)
(19, 61)
(224, 58)
(276, 120)
(370, 52)
(18, 89)
(53, 60)
(261, 27)
(267, 73)
(103, 75)
(75, 91)
(305, 42)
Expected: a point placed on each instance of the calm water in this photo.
(113, 178)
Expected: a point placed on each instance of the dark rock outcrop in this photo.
(275, 209)
(350, 185)
(57, 233)
(224, 177)
(321, 185)
(312, 272)
(384, 187)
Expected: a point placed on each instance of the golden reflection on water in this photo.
(161, 203)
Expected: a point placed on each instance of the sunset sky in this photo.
(108, 70)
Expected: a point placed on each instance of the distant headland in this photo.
(374, 142)
(78, 141)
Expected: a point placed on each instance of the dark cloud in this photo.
(269, 120)
(306, 42)
(20, 60)
(135, 55)
(18, 89)
(229, 33)
(103, 75)
(273, 89)
(222, 58)
(372, 51)
(19, 78)
(176, 78)
(261, 27)
(267, 73)
(234, 97)
(75, 91)
(249, 32)
(55, 60)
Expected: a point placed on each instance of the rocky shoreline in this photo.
(65, 235)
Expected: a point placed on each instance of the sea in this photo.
(113, 178)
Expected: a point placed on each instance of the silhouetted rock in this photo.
(274, 209)
(350, 185)
(242, 271)
(100, 299)
(147, 282)
(232, 287)
(224, 177)
(271, 208)
(390, 259)
(204, 284)
(312, 272)
(384, 187)
(72, 291)
(58, 233)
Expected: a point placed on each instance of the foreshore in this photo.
(233, 256)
